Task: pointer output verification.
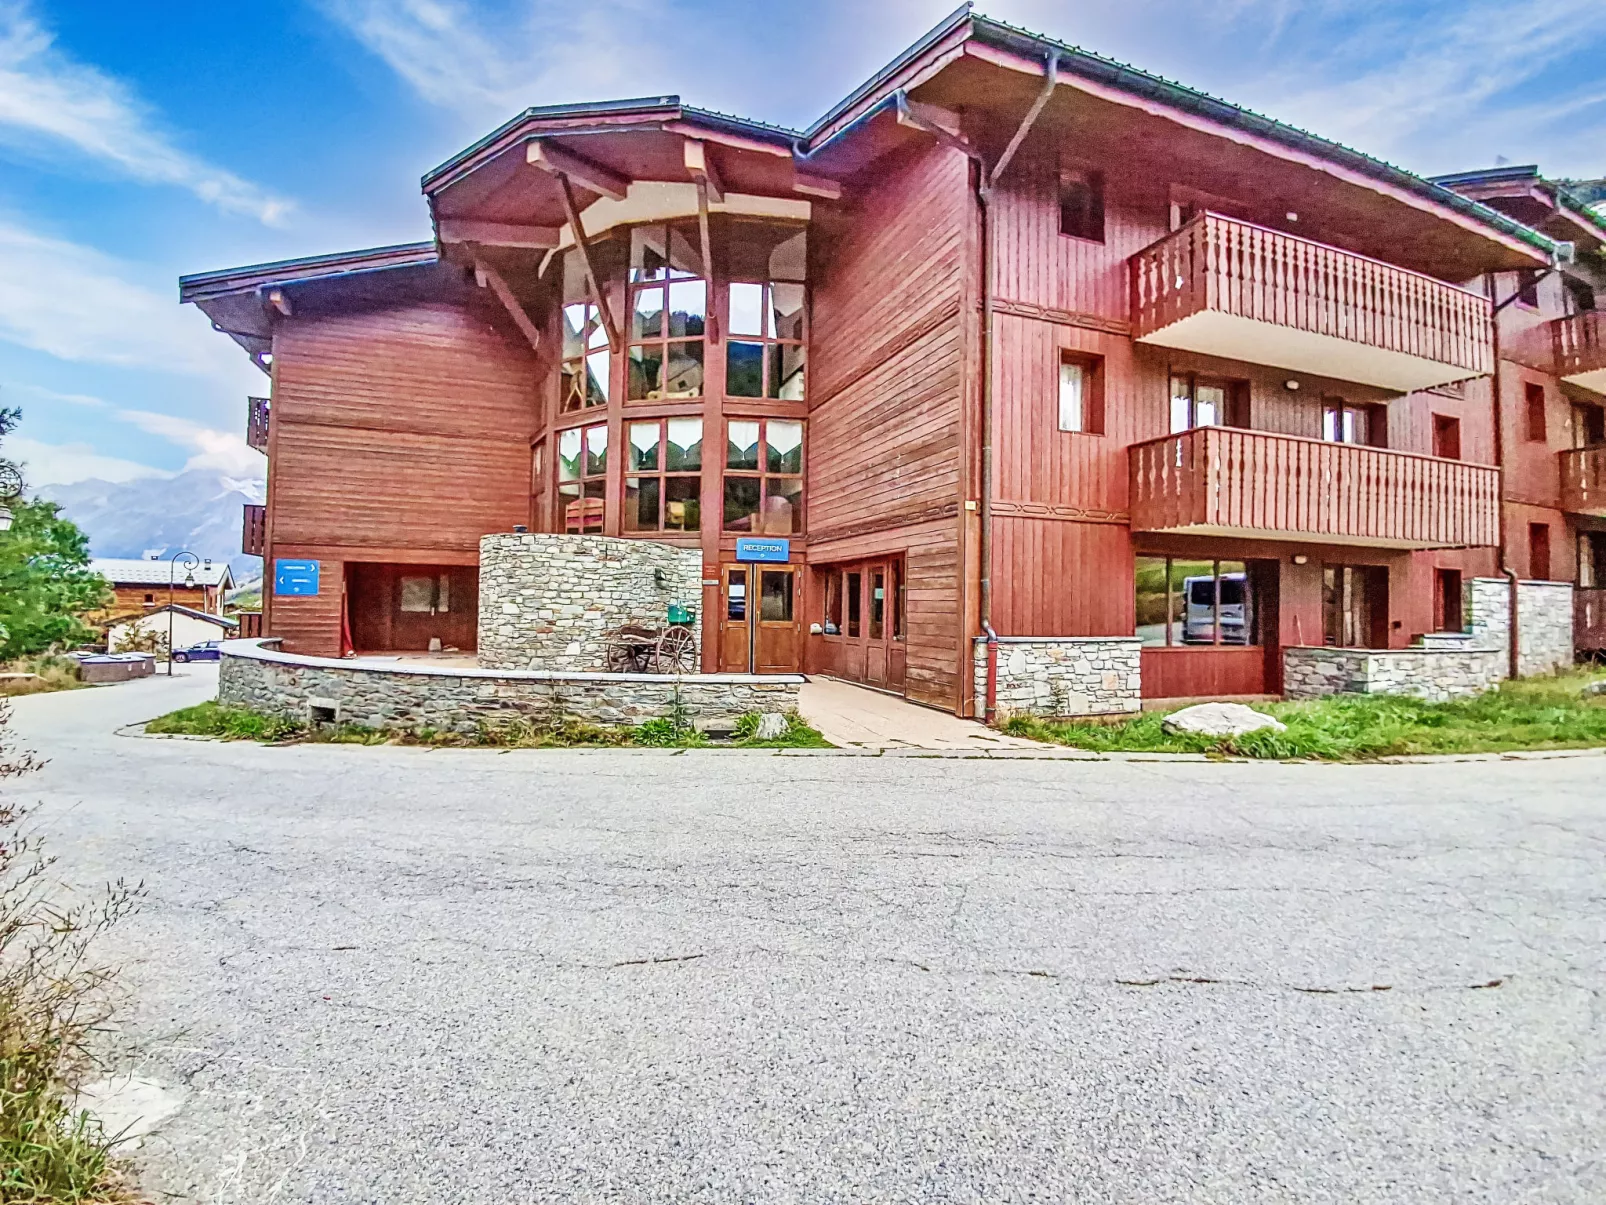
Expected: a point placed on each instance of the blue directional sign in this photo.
(295, 577)
(754, 548)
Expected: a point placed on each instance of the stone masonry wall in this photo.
(1063, 676)
(1544, 621)
(461, 700)
(1437, 674)
(547, 602)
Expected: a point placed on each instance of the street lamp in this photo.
(190, 562)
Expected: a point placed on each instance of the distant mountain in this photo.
(198, 510)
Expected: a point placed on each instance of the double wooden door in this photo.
(862, 632)
(760, 629)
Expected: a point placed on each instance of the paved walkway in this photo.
(857, 718)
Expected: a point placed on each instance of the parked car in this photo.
(207, 650)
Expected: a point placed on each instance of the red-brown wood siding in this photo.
(887, 383)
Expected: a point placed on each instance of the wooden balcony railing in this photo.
(1583, 481)
(1580, 343)
(254, 530)
(1225, 287)
(258, 413)
(1589, 620)
(1224, 481)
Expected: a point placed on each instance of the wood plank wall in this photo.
(398, 435)
(1060, 498)
(888, 344)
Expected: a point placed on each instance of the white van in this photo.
(1199, 606)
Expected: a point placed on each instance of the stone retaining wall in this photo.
(547, 602)
(1544, 621)
(1434, 673)
(462, 700)
(1063, 676)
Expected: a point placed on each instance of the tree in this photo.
(45, 579)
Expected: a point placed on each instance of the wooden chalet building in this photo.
(1014, 339)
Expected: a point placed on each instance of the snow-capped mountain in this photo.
(198, 510)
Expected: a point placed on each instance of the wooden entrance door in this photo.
(862, 637)
(760, 625)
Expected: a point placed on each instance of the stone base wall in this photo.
(548, 602)
(461, 700)
(1544, 621)
(1436, 674)
(1063, 676)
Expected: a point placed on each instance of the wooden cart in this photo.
(642, 649)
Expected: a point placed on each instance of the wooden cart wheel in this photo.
(677, 652)
(621, 658)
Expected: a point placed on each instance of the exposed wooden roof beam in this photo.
(811, 185)
(701, 169)
(486, 275)
(499, 234)
(579, 169)
(277, 300)
(578, 230)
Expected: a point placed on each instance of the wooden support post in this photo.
(701, 169)
(572, 213)
(578, 168)
(711, 323)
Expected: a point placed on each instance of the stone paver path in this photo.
(855, 717)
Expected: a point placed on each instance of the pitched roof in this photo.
(129, 572)
(222, 621)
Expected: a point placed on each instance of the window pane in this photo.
(574, 329)
(571, 502)
(593, 506)
(1237, 603)
(784, 443)
(833, 605)
(741, 450)
(597, 378)
(573, 387)
(1330, 424)
(643, 450)
(682, 503)
(1195, 581)
(736, 595)
(878, 603)
(641, 504)
(775, 596)
(417, 594)
(688, 306)
(683, 372)
(596, 451)
(853, 604)
(786, 312)
(647, 314)
(569, 454)
(1209, 405)
(897, 600)
(783, 505)
(648, 254)
(746, 309)
(1181, 404)
(685, 445)
(685, 251)
(1154, 606)
(645, 367)
(741, 503)
(1072, 379)
(443, 593)
(744, 369)
(786, 368)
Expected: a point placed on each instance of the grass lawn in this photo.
(236, 724)
(1535, 713)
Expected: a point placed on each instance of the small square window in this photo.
(1082, 205)
(1446, 437)
(1081, 406)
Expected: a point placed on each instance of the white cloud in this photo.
(64, 464)
(48, 98)
(223, 451)
(76, 304)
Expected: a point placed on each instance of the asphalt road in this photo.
(395, 975)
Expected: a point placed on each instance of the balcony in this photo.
(1583, 481)
(1579, 344)
(254, 530)
(1228, 482)
(1226, 288)
(258, 412)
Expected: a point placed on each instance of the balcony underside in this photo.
(1347, 539)
(1593, 379)
(1212, 333)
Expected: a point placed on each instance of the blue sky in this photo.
(143, 141)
